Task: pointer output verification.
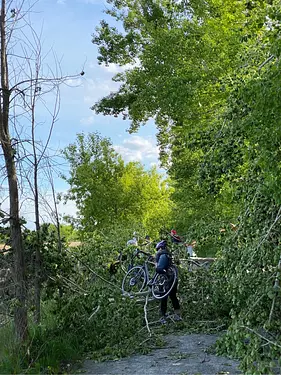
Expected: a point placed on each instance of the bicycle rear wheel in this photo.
(164, 283)
(134, 281)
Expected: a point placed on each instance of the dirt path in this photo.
(183, 355)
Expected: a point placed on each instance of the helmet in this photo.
(132, 242)
(173, 232)
(161, 245)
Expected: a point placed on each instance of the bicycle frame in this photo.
(138, 282)
(145, 265)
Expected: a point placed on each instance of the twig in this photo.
(276, 287)
(272, 309)
(94, 312)
(145, 341)
(73, 283)
(278, 216)
(266, 61)
(93, 272)
(262, 337)
(145, 315)
(218, 327)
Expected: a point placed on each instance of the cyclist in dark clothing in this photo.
(163, 260)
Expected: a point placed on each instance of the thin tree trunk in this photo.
(57, 220)
(37, 280)
(20, 312)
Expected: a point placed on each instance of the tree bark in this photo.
(20, 312)
(37, 280)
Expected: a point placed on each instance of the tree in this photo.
(108, 191)
(208, 72)
(190, 58)
(183, 53)
(9, 154)
(23, 83)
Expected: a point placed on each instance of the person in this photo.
(175, 237)
(190, 249)
(163, 261)
(132, 242)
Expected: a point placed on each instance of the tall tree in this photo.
(189, 58)
(23, 82)
(108, 191)
(9, 154)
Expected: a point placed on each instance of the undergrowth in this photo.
(234, 297)
(92, 319)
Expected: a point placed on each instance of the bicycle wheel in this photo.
(134, 281)
(163, 283)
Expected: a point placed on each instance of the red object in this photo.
(173, 232)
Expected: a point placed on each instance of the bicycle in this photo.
(194, 264)
(137, 280)
(124, 259)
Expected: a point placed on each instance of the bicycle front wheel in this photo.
(164, 283)
(134, 281)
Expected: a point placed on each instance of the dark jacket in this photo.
(163, 260)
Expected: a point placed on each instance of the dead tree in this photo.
(22, 83)
(20, 313)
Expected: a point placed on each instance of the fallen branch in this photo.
(262, 337)
(266, 61)
(93, 272)
(70, 284)
(73, 283)
(94, 312)
(145, 315)
(145, 341)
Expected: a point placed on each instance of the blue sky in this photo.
(67, 28)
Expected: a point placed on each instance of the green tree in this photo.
(185, 55)
(67, 232)
(208, 73)
(108, 192)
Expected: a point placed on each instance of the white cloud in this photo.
(61, 2)
(137, 148)
(115, 68)
(86, 121)
(93, 2)
(73, 82)
(97, 89)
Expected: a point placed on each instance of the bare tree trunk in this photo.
(57, 223)
(20, 314)
(37, 281)
(21, 89)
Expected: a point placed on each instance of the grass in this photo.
(46, 351)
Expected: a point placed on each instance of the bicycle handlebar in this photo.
(138, 251)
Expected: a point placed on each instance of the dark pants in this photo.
(174, 300)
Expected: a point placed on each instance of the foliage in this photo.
(46, 351)
(91, 316)
(208, 73)
(67, 232)
(107, 191)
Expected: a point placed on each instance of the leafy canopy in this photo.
(108, 192)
